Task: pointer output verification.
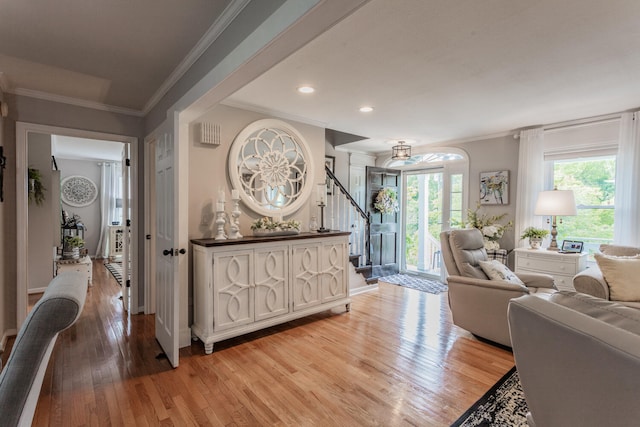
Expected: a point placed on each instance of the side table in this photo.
(83, 265)
(561, 266)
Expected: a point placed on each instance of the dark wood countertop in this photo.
(253, 239)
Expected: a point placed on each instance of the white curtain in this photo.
(627, 199)
(108, 192)
(530, 181)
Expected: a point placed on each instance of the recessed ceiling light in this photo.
(306, 89)
(366, 109)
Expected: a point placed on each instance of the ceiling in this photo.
(433, 71)
(117, 53)
(459, 69)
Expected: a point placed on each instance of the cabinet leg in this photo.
(208, 348)
(348, 307)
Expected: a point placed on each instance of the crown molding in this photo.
(76, 102)
(274, 113)
(228, 15)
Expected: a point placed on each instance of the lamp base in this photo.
(553, 246)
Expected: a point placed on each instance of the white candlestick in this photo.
(220, 206)
(322, 193)
(235, 194)
(220, 195)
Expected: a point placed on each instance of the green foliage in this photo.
(36, 188)
(593, 183)
(530, 232)
(74, 242)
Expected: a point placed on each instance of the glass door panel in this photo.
(423, 218)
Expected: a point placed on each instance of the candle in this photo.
(220, 206)
(277, 218)
(235, 194)
(322, 193)
(221, 195)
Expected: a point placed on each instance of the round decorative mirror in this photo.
(270, 164)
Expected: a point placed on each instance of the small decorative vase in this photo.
(313, 225)
(535, 242)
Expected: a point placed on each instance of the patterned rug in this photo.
(413, 282)
(115, 268)
(503, 405)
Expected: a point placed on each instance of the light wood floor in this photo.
(394, 360)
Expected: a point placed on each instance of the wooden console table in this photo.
(243, 285)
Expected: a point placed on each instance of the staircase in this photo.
(343, 213)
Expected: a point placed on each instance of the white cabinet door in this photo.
(306, 276)
(334, 273)
(232, 289)
(271, 282)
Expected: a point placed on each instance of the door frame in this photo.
(23, 129)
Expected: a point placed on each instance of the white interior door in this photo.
(126, 238)
(166, 242)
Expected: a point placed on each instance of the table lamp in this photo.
(555, 203)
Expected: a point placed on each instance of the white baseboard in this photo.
(363, 289)
(36, 290)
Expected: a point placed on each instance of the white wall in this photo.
(208, 169)
(41, 240)
(90, 214)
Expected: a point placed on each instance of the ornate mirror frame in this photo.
(271, 167)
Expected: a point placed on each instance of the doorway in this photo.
(23, 132)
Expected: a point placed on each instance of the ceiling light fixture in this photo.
(366, 109)
(401, 151)
(306, 89)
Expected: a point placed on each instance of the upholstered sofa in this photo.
(591, 280)
(21, 378)
(578, 359)
(477, 303)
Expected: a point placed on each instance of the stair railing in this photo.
(343, 213)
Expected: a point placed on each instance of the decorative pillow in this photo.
(498, 271)
(622, 274)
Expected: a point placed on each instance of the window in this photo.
(592, 180)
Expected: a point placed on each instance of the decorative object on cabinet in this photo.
(248, 284)
(561, 266)
(494, 188)
(555, 203)
(36, 187)
(71, 247)
(322, 200)
(234, 229)
(78, 191)
(387, 201)
(271, 166)
(535, 236)
(272, 227)
(82, 265)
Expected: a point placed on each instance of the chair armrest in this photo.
(489, 284)
(537, 280)
(591, 281)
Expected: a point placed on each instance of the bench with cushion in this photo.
(21, 378)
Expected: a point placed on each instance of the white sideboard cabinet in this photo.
(561, 266)
(248, 284)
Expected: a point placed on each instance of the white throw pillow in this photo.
(621, 274)
(498, 271)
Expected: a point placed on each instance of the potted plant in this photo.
(36, 188)
(535, 236)
(71, 247)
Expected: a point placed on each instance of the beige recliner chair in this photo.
(578, 358)
(478, 304)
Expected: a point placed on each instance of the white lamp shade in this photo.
(556, 202)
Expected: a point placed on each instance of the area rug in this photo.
(115, 268)
(413, 282)
(503, 405)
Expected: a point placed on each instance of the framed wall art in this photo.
(330, 162)
(78, 191)
(494, 188)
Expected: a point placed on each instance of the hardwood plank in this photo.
(395, 359)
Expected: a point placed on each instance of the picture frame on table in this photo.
(330, 162)
(494, 187)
